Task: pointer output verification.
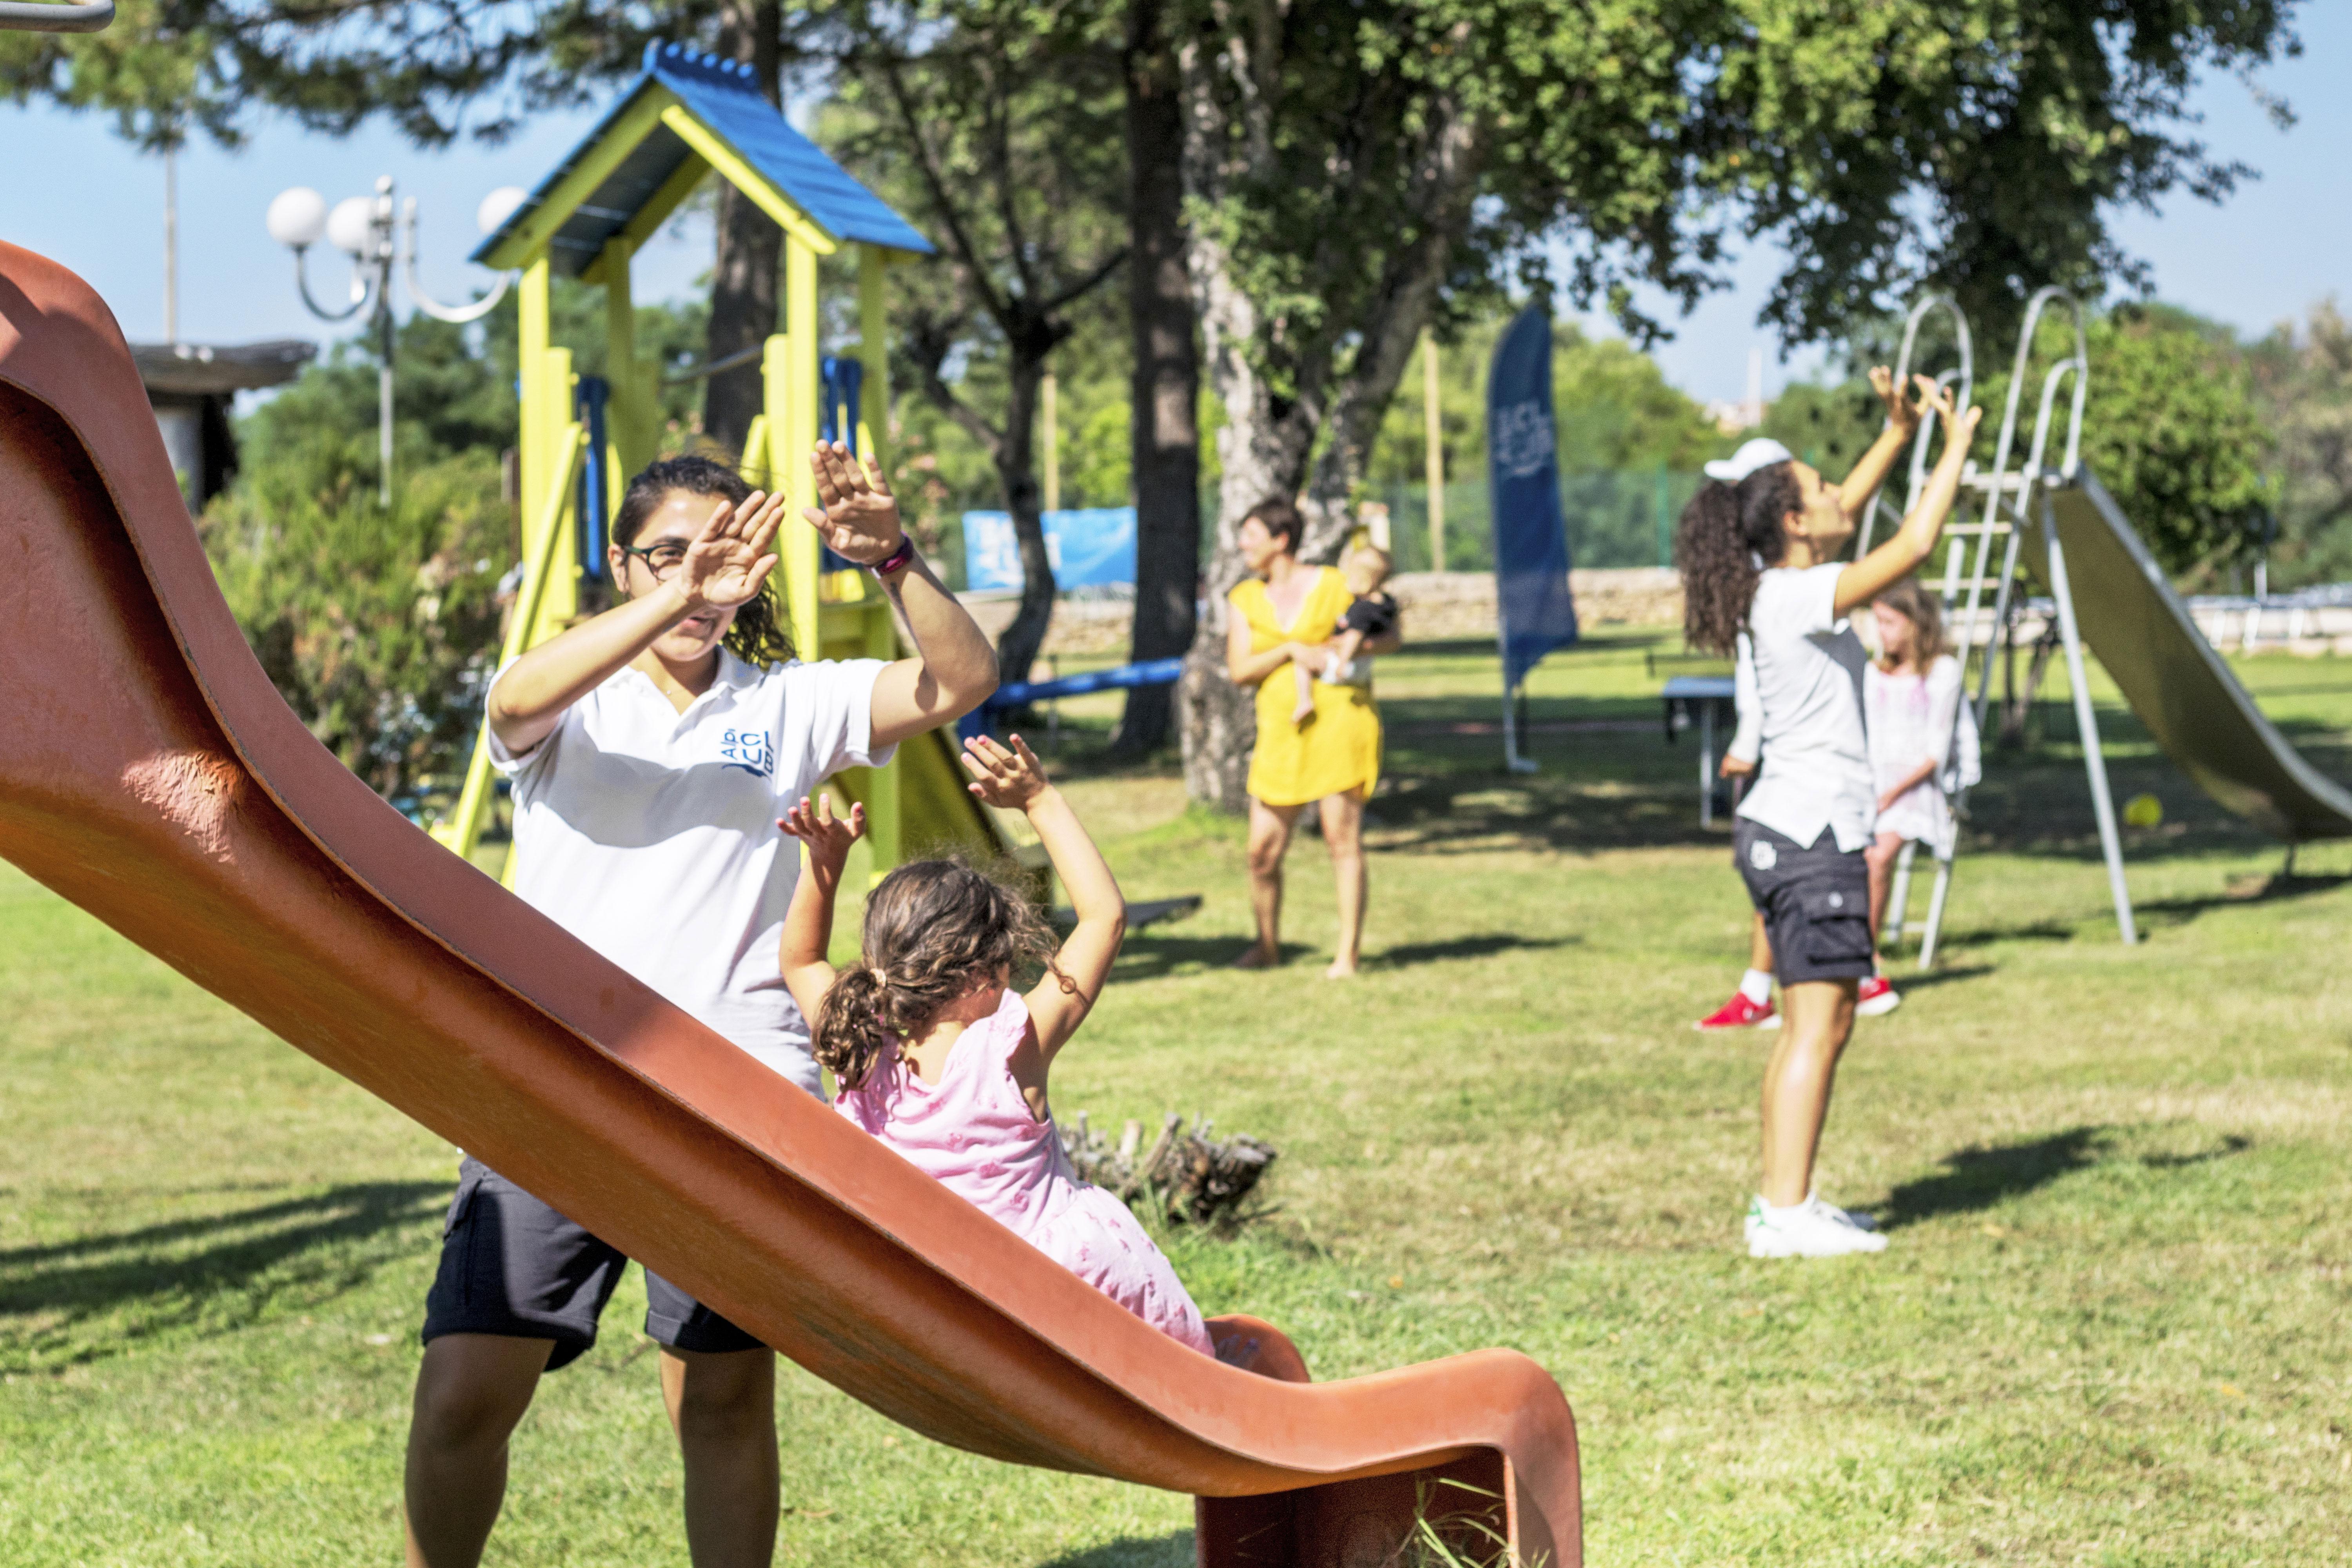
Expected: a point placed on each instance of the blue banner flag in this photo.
(1522, 471)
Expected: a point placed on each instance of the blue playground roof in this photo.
(723, 96)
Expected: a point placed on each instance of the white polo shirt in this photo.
(1809, 669)
(651, 834)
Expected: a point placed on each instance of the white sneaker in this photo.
(1810, 1230)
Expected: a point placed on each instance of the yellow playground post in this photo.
(687, 116)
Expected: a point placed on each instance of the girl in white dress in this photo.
(1911, 698)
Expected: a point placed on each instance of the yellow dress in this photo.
(1338, 750)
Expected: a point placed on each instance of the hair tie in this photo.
(1756, 559)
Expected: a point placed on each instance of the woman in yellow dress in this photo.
(1289, 613)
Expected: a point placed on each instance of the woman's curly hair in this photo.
(757, 634)
(1724, 533)
(935, 930)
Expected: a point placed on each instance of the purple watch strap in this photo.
(897, 558)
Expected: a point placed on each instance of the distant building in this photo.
(192, 387)
(1747, 413)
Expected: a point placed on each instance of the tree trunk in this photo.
(1262, 449)
(1267, 440)
(750, 256)
(1164, 391)
(1016, 469)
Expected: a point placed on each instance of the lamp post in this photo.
(363, 228)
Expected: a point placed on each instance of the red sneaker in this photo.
(1876, 997)
(1740, 1012)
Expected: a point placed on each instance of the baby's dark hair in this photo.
(934, 930)
(1724, 532)
(757, 636)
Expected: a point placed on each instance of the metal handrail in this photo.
(30, 16)
(1965, 372)
(2080, 365)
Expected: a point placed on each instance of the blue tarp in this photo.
(1523, 469)
(1091, 547)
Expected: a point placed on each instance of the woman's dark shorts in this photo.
(1815, 900)
(512, 1266)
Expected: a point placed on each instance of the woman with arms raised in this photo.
(1761, 557)
(651, 749)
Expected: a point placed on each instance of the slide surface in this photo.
(150, 774)
(2172, 677)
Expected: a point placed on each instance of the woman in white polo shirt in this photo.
(651, 749)
(1761, 557)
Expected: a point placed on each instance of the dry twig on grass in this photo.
(1188, 1178)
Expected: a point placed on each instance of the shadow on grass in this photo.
(1173, 1550)
(2268, 891)
(1911, 980)
(1483, 945)
(1148, 956)
(96, 1296)
(1980, 1178)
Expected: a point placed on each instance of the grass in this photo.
(2115, 1326)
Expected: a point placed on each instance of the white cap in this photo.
(1760, 453)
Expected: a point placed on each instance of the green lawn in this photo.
(2113, 1327)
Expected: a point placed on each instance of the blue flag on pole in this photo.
(1522, 471)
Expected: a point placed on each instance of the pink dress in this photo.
(973, 1132)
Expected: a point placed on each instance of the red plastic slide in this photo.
(149, 773)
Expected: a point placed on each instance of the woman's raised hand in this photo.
(1901, 412)
(828, 836)
(1011, 781)
(1959, 425)
(728, 562)
(856, 515)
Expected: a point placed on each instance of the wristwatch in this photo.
(898, 558)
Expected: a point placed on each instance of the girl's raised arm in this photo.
(1015, 780)
(1868, 577)
(808, 923)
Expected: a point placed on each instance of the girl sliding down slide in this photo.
(1760, 556)
(939, 1058)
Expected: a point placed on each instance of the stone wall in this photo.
(1449, 606)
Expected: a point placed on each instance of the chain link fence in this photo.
(1616, 517)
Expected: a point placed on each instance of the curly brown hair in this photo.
(1724, 533)
(757, 634)
(935, 930)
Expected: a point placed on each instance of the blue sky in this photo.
(75, 192)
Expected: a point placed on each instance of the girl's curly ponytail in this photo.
(935, 932)
(850, 1035)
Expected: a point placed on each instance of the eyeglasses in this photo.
(662, 560)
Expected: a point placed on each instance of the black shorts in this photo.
(1815, 900)
(512, 1266)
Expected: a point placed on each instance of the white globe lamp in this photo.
(352, 225)
(296, 217)
(499, 206)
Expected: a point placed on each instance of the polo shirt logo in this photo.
(751, 749)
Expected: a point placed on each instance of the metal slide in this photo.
(150, 774)
(2172, 677)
